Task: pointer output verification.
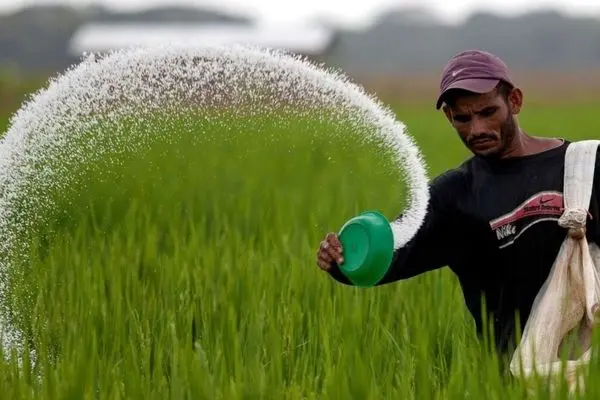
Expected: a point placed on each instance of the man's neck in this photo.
(525, 145)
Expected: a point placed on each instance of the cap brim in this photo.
(479, 86)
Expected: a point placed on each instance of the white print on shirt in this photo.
(543, 206)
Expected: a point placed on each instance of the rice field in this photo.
(188, 272)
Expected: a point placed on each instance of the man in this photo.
(493, 219)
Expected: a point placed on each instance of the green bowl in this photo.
(368, 244)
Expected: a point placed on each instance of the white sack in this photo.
(569, 299)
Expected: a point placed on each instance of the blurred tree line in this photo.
(36, 39)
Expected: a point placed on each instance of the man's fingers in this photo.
(335, 241)
(325, 256)
(323, 265)
(324, 260)
(334, 247)
(335, 254)
(330, 250)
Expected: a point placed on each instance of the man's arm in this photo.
(431, 247)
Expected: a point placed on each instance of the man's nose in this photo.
(477, 126)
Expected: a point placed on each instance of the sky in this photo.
(345, 12)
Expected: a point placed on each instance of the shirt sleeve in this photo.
(431, 247)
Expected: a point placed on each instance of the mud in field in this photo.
(538, 86)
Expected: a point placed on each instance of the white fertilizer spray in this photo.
(135, 83)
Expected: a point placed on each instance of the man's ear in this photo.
(515, 100)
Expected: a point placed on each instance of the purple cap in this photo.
(473, 70)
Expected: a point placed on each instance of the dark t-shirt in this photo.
(494, 224)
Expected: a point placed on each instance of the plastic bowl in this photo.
(368, 244)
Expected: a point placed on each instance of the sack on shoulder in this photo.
(557, 338)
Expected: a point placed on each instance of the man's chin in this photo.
(491, 152)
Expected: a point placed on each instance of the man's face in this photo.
(485, 123)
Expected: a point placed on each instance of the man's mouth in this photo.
(481, 142)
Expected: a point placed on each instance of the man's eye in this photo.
(461, 118)
(488, 112)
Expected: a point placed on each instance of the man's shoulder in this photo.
(452, 185)
(569, 142)
(454, 178)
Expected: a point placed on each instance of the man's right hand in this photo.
(330, 251)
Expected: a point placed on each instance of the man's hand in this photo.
(330, 251)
